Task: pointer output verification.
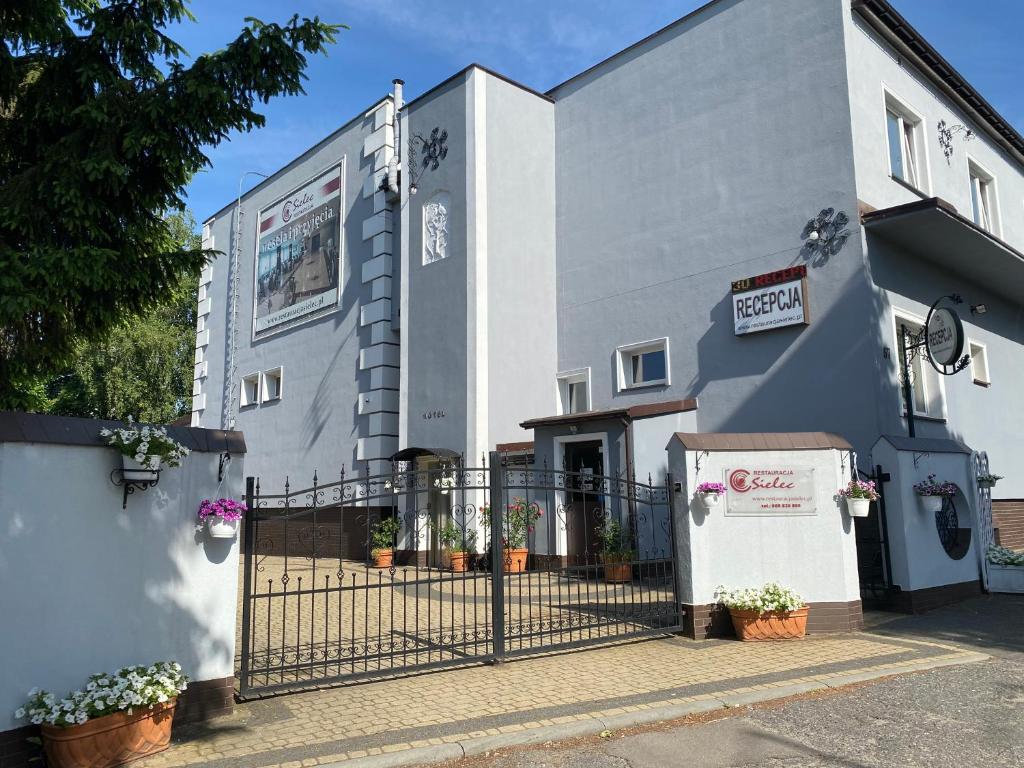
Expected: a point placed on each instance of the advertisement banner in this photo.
(298, 254)
(776, 306)
(757, 490)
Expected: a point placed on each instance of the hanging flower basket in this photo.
(710, 494)
(221, 517)
(933, 493)
(858, 496)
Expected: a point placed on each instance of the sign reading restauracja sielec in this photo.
(772, 300)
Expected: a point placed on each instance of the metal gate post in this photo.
(497, 501)
(676, 592)
(248, 528)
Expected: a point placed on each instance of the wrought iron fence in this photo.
(370, 576)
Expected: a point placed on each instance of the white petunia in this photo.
(19, 713)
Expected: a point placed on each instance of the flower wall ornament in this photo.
(824, 236)
(946, 133)
(433, 150)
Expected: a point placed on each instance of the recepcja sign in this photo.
(759, 490)
(772, 300)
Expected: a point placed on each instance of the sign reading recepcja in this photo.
(772, 300)
(298, 259)
(757, 490)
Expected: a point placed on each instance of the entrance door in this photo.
(584, 500)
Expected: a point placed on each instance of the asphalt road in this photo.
(964, 716)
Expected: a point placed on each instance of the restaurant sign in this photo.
(757, 490)
(772, 300)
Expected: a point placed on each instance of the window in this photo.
(574, 391)
(982, 197)
(643, 365)
(903, 133)
(272, 383)
(979, 364)
(926, 385)
(250, 394)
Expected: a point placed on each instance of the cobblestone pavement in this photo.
(526, 696)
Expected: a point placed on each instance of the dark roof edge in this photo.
(885, 20)
(938, 204)
(762, 441)
(273, 176)
(926, 444)
(630, 413)
(18, 427)
(462, 73)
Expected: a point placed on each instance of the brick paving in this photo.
(394, 715)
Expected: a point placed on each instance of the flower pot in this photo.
(133, 470)
(858, 507)
(515, 560)
(458, 561)
(219, 528)
(986, 483)
(382, 558)
(710, 499)
(618, 573)
(931, 503)
(772, 625)
(110, 740)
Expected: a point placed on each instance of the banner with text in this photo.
(769, 491)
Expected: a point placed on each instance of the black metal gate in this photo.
(581, 559)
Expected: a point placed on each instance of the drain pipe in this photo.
(396, 161)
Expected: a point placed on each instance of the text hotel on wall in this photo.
(298, 262)
(772, 300)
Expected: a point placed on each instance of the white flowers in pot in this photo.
(933, 493)
(988, 481)
(221, 517)
(144, 449)
(710, 494)
(858, 496)
(1003, 556)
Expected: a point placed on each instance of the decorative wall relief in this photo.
(435, 227)
(824, 236)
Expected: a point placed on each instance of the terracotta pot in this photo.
(110, 740)
(773, 625)
(458, 561)
(382, 558)
(514, 560)
(618, 573)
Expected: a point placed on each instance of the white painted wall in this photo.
(89, 587)
(814, 554)
(918, 559)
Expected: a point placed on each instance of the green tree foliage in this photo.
(103, 121)
(143, 367)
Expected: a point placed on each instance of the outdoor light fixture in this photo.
(412, 189)
(978, 309)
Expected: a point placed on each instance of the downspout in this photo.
(395, 164)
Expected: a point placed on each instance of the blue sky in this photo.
(537, 42)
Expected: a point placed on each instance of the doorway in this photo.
(439, 512)
(584, 508)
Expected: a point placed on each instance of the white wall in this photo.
(814, 554)
(918, 559)
(89, 587)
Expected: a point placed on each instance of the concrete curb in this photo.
(598, 722)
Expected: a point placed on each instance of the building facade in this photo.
(735, 215)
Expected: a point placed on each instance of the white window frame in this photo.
(564, 379)
(987, 193)
(919, 151)
(626, 352)
(926, 379)
(274, 373)
(244, 401)
(985, 379)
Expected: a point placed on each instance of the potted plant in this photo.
(460, 550)
(932, 493)
(710, 493)
(382, 538)
(516, 525)
(615, 553)
(772, 612)
(858, 495)
(221, 517)
(117, 717)
(1005, 570)
(988, 481)
(144, 449)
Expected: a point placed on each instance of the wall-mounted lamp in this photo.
(978, 309)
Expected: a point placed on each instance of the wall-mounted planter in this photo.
(219, 528)
(858, 507)
(111, 740)
(1006, 578)
(931, 503)
(986, 483)
(137, 472)
(771, 625)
